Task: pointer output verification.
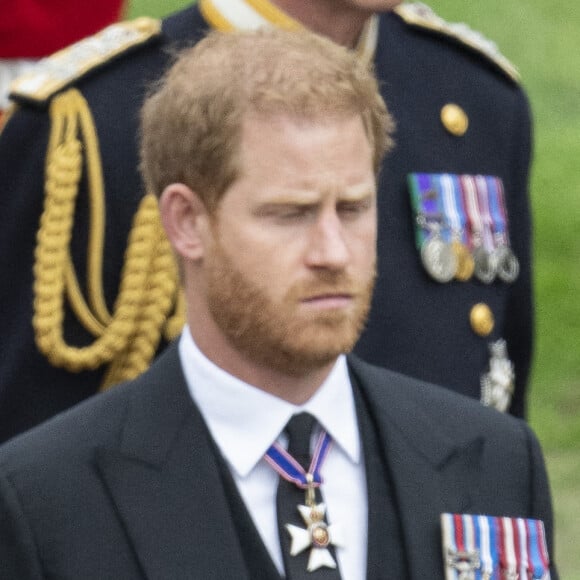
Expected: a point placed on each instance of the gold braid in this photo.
(158, 301)
(128, 338)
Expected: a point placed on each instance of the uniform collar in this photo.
(227, 15)
(244, 420)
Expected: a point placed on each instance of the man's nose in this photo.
(327, 246)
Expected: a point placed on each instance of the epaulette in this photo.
(56, 72)
(422, 16)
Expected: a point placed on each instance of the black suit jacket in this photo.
(127, 485)
(417, 326)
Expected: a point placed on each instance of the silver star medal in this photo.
(497, 385)
(318, 535)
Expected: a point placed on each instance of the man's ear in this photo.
(185, 219)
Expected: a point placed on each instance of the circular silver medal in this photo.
(508, 266)
(438, 259)
(485, 265)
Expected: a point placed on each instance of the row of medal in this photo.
(461, 227)
(481, 547)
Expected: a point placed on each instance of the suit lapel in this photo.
(164, 481)
(431, 473)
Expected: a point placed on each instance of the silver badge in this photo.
(508, 266)
(464, 563)
(497, 385)
(485, 265)
(439, 259)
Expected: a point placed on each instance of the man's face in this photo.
(291, 264)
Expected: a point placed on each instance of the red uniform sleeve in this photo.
(37, 28)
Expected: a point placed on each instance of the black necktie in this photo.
(289, 496)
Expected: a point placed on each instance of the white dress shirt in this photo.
(244, 421)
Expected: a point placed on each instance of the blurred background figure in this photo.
(31, 29)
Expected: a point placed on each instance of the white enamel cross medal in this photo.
(318, 535)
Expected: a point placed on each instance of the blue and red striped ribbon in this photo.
(495, 547)
(291, 470)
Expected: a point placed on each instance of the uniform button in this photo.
(481, 318)
(454, 119)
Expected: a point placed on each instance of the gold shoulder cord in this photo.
(128, 338)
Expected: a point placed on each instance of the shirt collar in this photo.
(244, 420)
(227, 15)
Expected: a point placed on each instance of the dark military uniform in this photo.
(418, 326)
(87, 333)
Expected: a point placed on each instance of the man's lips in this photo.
(329, 300)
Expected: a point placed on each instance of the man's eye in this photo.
(296, 213)
(354, 208)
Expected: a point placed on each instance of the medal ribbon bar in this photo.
(464, 215)
(497, 207)
(479, 547)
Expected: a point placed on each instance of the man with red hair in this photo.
(256, 447)
(92, 293)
